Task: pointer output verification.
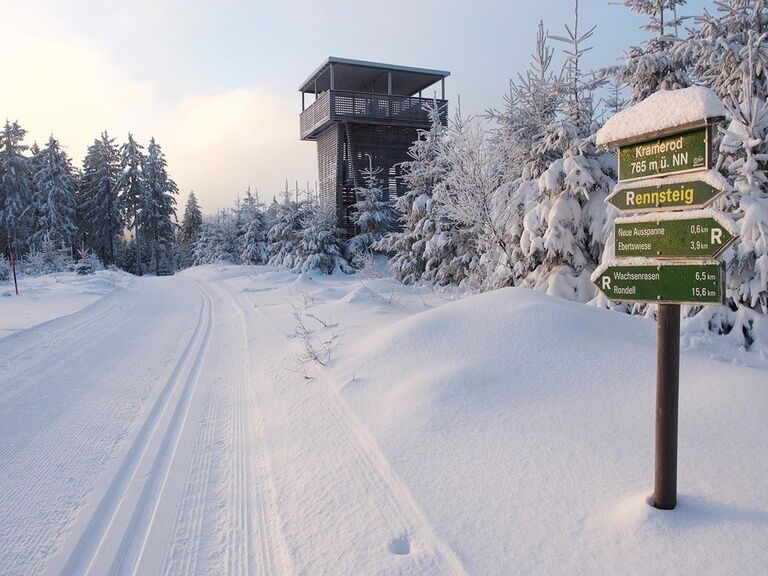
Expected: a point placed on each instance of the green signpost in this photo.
(641, 243)
(702, 237)
(644, 196)
(665, 155)
(665, 283)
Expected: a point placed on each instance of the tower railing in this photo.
(369, 108)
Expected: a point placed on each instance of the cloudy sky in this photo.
(215, 81)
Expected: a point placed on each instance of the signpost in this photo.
(667, 170)
(705, 236)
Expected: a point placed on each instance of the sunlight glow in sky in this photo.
(215, 82)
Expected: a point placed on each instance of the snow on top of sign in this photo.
(711, 177)
(661, 111)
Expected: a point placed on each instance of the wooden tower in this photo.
(359, 109)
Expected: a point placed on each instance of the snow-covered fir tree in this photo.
(466, 196)
(285, 233)
(132, 192)
(372, 214)
(744, 157)
(16, 190)
(253, 227)
(320, 244)
(563, 233)
(530, 108)
(420, 174)
(189, 231)
(656, 64)
(158, 217)
(720, 45)
(217, 241)
(54, 196)
(100, 205)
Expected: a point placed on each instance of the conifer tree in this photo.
(253, 230)
(563, 234)
(132, 192)
(320, 243)
(16, 189)
(157, 219)
(54, 194)
(420, 174)
(100, 205)
(656, 65)
(721, 44)
(189, 231)
(744, 157)
(285, 233)
(372, 214)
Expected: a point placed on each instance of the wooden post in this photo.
(667, 396)
(12, 258)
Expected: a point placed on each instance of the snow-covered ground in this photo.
(170, 427)
(44, 298)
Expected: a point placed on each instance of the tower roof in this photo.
(359, 75)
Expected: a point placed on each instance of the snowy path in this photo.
(162, 431)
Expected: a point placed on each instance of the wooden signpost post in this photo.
(665, 256)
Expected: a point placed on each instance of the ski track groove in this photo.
(187, 536)
(375, 471)
(85, 551)
(140, 525)
(274, 557)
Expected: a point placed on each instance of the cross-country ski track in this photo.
(164, 429)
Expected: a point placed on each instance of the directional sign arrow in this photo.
(685, 191)
(699, 234)
(643, 280)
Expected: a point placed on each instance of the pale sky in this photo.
(216, 82)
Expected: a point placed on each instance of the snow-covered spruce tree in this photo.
(253, 230)
(48, 257)
(99, 204)
(420, 174)
(372, 214)
(284, 234)
(719, 46)
(217, 241)
(54, 194)
(132, 192)
(744, 155)
(655, 65)
(466, 196)
(16, 190)
(202, 248)
(531, 106)
(563, 230)
(189, 231)
(158, 218)
(449, 246)
(320, 244)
